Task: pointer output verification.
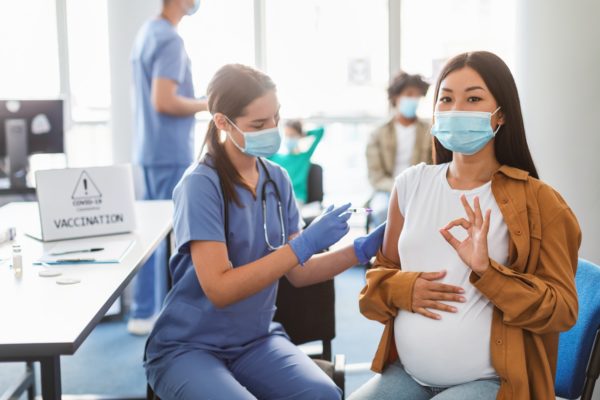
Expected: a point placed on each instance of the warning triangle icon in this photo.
(85, 188)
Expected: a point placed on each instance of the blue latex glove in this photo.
(324, 231)
(366, 247)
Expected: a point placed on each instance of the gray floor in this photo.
(109, 361)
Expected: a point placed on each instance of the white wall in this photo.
(558, 74)
(125, 17)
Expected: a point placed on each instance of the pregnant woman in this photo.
(476, 276)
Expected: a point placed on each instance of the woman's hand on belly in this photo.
(474, 249)
(428, 294)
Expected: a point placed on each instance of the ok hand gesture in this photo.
(474, 249)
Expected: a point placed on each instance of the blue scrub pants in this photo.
(269, 368)
(150, 286)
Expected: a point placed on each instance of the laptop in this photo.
(84, 202)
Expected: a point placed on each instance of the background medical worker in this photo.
(237, 232)
(164, 126)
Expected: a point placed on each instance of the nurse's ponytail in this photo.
(219, 160)
(233, 87)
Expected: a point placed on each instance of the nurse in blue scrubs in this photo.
(237, 231)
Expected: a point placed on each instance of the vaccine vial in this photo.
(17, 260)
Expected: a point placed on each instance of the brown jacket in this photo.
(534, 295)
(381, 153)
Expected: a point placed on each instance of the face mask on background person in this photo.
(407, 106)
(464, 132)
(263, 143)
(291, 144)
(192, 10)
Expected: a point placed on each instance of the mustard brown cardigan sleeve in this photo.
(546, 300)
(388, 289)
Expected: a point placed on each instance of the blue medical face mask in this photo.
(263, 143)
(407, 106)
(291, 143)
(192, 10)
(464, 132)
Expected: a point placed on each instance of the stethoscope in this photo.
(268, 181)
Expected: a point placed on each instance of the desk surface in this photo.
(39, 317)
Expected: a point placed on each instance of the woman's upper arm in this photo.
(395, 221)
(210, 261)
(199, 225)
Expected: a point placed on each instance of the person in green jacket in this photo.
(299, 148)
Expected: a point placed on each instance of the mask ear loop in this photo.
(499, 125)
(231, 136)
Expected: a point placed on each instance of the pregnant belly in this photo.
(446, 352)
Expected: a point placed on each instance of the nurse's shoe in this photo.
(140, 326)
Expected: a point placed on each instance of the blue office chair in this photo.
(579, 348)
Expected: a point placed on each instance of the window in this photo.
(29, 49)
(221, 32)
(88, 57)
(328, 58)
(429, 38)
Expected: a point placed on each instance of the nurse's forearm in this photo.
(180, 106)
(323, 267)
(166, 100)
(226, 285)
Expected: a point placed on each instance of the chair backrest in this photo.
(307, 313)
(575, 346)
(315, 184)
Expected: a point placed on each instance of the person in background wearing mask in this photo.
(299, 148)
(400, 143)
(164, 126)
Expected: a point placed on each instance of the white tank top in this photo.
(455, 349)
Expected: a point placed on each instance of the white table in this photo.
(41, 320)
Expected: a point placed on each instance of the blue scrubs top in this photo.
(161, 139)
(189, 320)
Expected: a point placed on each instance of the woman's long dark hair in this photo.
(510, 143)
(233, 87)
